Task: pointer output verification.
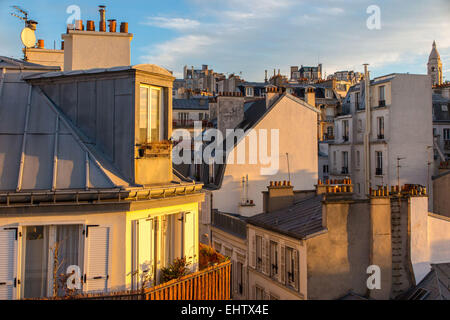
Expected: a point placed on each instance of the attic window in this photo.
(150, 114)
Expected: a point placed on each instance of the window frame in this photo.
(161, 112)
(379, 163)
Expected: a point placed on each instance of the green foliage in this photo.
(176, 270)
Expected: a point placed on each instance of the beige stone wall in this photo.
(381, 244)
(46, 57)
(439, 238)
(337, 260)
(441, 191)
(92, 49)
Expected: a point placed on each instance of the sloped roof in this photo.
(254, 112)
(190, 104)
(302, 219)
(11, 63)
(151, 68)
(435, 285)
(439, 114)
(434, 54)
(40, 148)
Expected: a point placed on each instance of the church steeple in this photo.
(435, 66)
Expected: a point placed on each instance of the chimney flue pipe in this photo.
(124, 27)
(112, 25)
(102, 24)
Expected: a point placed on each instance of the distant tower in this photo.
(435, 66)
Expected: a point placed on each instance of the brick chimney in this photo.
(88, 49)
(229, 110)
(272, 94)
(310, 96)
(279, 195)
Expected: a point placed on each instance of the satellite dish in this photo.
(28, 37)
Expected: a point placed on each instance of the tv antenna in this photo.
(27, 35)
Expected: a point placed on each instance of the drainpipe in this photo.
(368, 129)
(2, 81)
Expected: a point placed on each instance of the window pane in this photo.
(154, 115)
(143, 115)
(36, 262)
(68, 240)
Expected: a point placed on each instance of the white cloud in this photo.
(331, 11)
(170, 54)
(179, 24)
(254, 35)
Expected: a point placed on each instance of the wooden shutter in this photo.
(296, 269)
(189, 237)
(266, 258)
(98, 258)
(253, 250)
(283, 264)
(8, 263)
(234, 274)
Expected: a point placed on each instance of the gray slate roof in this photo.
(439, 114)
(302, 219)
(11, 63)
(190, 104)
(35, 133)
(435, 285)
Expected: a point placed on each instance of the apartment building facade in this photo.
(400, 133)
(320, 246)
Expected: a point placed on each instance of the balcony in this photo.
(190, 123)
(380, 137)
(344, 170)
(328, 136)
(213, 282)
(381, 103)
(379, 171)
(345, 138)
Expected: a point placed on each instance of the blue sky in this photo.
(250, 36)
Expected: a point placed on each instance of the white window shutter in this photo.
(98, 258)
(283, 265)
(145, 245)
(296, 269)
(189, 237)
(8, 261)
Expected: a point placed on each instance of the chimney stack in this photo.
(40, 44)
(310, 96)
(272, 93)
(279, 195)
(102, 24)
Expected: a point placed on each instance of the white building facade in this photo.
(400, 128)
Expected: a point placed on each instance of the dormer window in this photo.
(150, 114)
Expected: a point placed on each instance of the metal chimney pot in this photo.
(102, 24)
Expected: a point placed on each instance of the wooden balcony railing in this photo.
(211, 283)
